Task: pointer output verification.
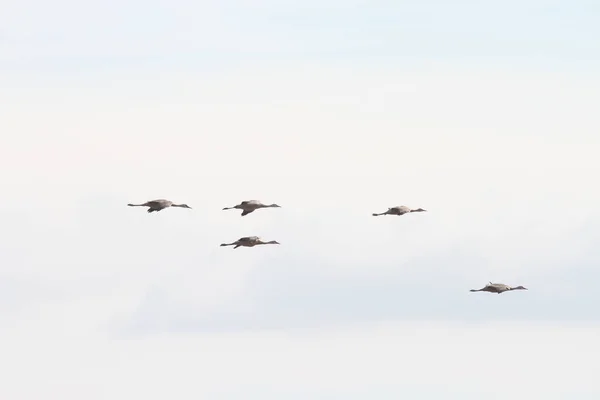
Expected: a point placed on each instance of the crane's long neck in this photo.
(135, 205)
(270, 242)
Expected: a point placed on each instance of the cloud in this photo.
(103, 301)
(335, 145)
(300, 291)
(426, 359)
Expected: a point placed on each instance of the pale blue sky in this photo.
(72, 36)
(483, 113)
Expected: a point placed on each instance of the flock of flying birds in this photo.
(250, 206)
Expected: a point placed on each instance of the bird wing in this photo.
(497, 287)
(158, 203)
(161, 201)
(249, 239)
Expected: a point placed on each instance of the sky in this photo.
(482, 113)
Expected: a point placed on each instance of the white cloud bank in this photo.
(420, 360)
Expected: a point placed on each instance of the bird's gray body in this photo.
(157, 205)
(249, 206)
(498, 288)
(249, 239)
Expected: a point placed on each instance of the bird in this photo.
(249, 206)
(398, 210)
(157, 205)
(249, 241)
(498, 288)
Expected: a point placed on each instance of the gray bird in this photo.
(249, 206)
(399, 210)
(249, 241)
(157, 205)
(498, 288)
